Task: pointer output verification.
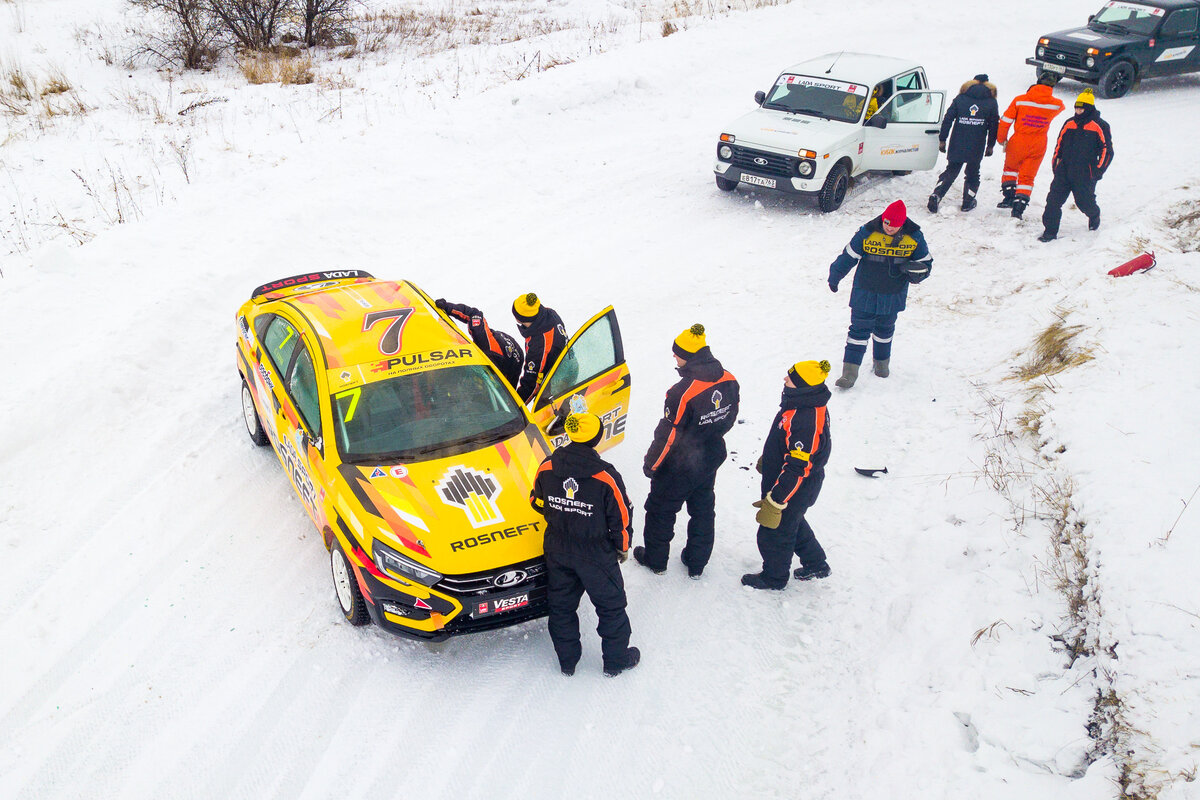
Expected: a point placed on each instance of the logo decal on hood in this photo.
(474, 492)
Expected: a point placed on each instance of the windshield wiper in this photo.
(811, 111)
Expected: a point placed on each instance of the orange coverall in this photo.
(1029, 116)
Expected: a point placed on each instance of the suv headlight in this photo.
(391, 562)
(805, 169)
(725, 152)
(1091, 62)
(1041, 52)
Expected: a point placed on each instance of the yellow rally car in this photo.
(410, 452)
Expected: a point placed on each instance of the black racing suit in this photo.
(682, 462)
(544, 341)
(793, 468)
(503, 350)
(1082, 154)
(588, 522)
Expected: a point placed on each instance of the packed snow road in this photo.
(169, 626)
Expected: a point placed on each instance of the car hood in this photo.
(1076, 40)
(778, 130)
(458, 515)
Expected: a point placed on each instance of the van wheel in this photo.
(345, 585)
(834, 191)
(1116, 81)
(724, 184)
(250, 415)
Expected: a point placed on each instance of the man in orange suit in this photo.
(1028, 118)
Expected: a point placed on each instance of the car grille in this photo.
(478, 584)
(777, 165)
(1062, 57)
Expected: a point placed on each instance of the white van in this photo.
(830, 119)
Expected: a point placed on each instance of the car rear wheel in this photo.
(834, 191)
(1116, 81)
(250, 415)
(345, 586)
(724, 184)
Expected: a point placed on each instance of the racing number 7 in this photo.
(389, 345)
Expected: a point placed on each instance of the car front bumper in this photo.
(792, 185)
(1079, 73)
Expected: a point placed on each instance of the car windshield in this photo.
(817, 97)
(425, 414)
(1119, 16)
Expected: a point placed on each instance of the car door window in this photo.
(910, 81)
(593, 353)
(302, 388)
(1181, 23)
(279, 340)
(913, 107)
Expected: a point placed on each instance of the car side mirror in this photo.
(877, 121)
(760, 97)
(558, 425)
(1091, 17)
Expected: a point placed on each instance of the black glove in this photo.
(440, 303)
(941, 147)
(833, 285)
(988, 152)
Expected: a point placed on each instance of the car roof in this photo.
(853, 67)
(1169, 4)
(337, 316)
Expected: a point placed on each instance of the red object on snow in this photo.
(1143, 262)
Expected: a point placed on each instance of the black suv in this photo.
(1125, 41)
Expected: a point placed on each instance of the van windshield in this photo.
(818, 97)
(1123, 17)
(425, 415)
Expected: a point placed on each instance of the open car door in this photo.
(903, 134)
(590, 375)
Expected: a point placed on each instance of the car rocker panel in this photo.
(438, 544)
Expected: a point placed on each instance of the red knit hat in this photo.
(895, 214)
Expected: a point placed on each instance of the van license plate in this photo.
(1059, 68)
(757, 181)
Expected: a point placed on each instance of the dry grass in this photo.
(1054, 350)
(280, 66)
(668, 28)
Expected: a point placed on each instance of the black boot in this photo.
(969, 202)
(1094, 223)
(633, 657)
(815, 572)
(639, 555)
(1047, 236)
(1018, 206)
(1009, 193)
(755, 581)
(932, 205)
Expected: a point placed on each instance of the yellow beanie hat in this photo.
(583, 427)
(1086, 98)
(690, 342)
(526, 307)
(809, 373)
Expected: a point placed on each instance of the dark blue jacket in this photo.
(502, 349)
(975, 116)
(886, 265)
(798, 446)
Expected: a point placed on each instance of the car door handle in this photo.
(935, 130)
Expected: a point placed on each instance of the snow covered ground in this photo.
(168, 627)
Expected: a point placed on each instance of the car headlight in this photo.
(391, 562)
(726, 152)
(805, 169)
(1091, 62)
(1041, 52)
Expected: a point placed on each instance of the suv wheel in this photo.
(834, 191)
(250, 415)
(1116, 80)
(725, 185)
(345, 585)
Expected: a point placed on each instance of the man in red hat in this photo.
(889, 253)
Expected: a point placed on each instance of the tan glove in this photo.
(622, 556)
(758, 465)
(769, 514)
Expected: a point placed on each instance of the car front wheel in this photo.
(724, 184)
(345, 585)
(1116, 81)
(250, 415)
(834, 191)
